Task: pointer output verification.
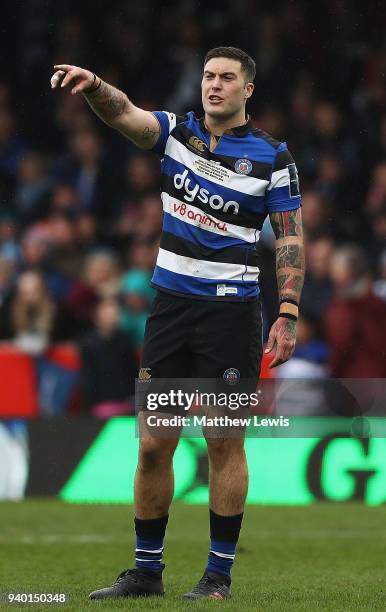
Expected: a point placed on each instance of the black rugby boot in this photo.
(135, 582)
(211, 586)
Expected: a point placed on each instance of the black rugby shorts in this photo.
(188, 338)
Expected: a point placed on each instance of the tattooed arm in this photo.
(110, 104)
(290, 268)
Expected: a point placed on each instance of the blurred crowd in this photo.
(80, 212)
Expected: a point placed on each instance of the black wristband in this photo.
(289, 300)
(91, 89)
(287, 315)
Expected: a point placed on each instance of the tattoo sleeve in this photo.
(114, 108)
(108, 102)
(290, 264)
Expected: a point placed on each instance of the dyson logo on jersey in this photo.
(181, 181)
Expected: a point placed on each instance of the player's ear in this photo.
(249, 87)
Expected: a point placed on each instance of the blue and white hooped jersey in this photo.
(216, 194)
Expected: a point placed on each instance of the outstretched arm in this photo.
(110, 104)
(290, 269)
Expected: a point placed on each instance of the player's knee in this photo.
(155, 452)
(221, 450)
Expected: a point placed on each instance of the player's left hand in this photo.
(283, 336)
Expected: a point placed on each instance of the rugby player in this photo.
(221, 177)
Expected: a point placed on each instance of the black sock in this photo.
(224, 534)
(150, 543)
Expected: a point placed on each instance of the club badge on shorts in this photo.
(231, 376)
(243, 166)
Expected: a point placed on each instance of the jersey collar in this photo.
(238, 130)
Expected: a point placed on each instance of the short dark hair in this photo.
(247, 64)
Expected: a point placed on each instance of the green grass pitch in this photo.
(321, 557)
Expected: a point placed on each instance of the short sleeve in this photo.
(167, 122)
(283, 190)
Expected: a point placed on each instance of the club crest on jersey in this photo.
(231, 376)
(243, 166)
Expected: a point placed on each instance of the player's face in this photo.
(224, 87)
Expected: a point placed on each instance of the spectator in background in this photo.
(187, 64)
(86, 232)
(31, 318)
(269, 55)
(36, 252)
(64, 199)
(86, 151)
(142, 219)
(379, 286)
(141, 180)
(328, 126)
(300, 125)
(142, 176)
(65, 205)
(137, 298)
(316, 215)
(355, 319)
(376, 196)
(108, 364)
(66, 258)
(310, 356)
(33, 189)
(87, 169)
(376, 241)
(12, 146)
(317, 291)
(71, 38)
(35, 246)
(7, 271)
(9, 246)
(70, 115)
(271, 120)
(331, 184)
(149, 223)
(143, 255)
(379, 151)
(308, 368)
(101, 279)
